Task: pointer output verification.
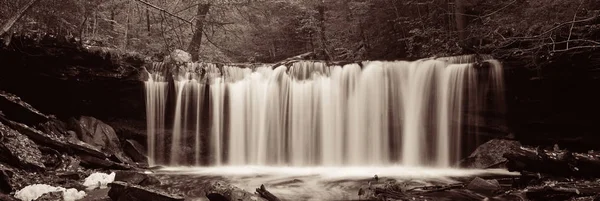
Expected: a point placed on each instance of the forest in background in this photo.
(270, 31)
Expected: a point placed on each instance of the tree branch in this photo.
(164, 11)
(492, 13)
(573, 24)
(556, 27)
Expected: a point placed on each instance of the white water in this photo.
(310, 114)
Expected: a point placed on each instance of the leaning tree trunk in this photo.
(194, 47)
(14, 19)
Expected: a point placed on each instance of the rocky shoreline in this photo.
(42, 149)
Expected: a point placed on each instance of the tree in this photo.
(196, 42)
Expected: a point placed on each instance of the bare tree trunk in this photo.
(323, 39)
(461, 21)
(196, 42)
(148, 20)
(14, 19)
(127, 28)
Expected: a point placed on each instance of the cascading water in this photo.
(311, 114)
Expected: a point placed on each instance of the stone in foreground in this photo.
(124, 191)
(221, 191)
(490, 154)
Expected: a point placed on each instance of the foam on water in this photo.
(346, 172)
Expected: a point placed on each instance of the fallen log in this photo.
(554, 162)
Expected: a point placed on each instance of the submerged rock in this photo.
(18, 150)
(220, 191)
(484, 186)
(137, 178)
(490, 154)
(124, 191)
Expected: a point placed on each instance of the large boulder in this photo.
(490, 154)
(136, 151)
(18, 150)
(124, 191)
(100, 135)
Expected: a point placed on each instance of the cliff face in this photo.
(556, 104)
(61, 77)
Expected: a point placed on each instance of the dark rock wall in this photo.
(58, 76)
(558, 104)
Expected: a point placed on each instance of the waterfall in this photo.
(313, 114)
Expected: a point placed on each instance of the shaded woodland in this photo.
(269, 31)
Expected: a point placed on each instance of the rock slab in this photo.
(490, 154)
(18, 150)
(121, 191)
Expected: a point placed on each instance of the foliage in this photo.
(270, 31)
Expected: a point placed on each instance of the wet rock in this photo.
(6, 185)
(78, 146)
(137, 178)
(71, 146)
(18, 150)
(484, 186)
(5, 197)
(69, 164)
(51, 196)
(136, 151)
(69, 175)
(100, 135)
(124, 191)
(560, 163)
(490, 154)
(36, 135)
(219, 190)
(14, 108)
(94, 162)
(54, 127)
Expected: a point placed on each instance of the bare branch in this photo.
(492, 13)
(164, 11)
(556, 27)
(578, 47)
(573, 24)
